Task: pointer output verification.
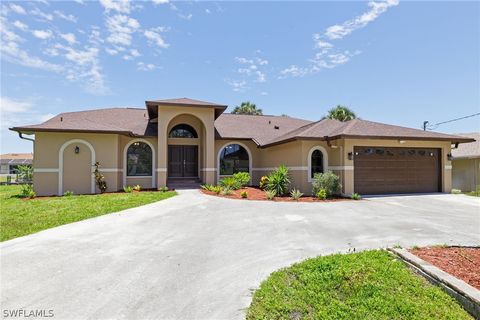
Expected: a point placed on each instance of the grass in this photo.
(475, 193)
(19, 217)
(366, 285)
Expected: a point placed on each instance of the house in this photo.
(466, 164)
(177, 139)
(9, 162)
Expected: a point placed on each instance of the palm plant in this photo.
(341, 113)
(247, 108)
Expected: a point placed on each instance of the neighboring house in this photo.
(179, 139)
(466, 164)
(9, 162)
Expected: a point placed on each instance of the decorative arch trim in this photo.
(325, 160)
(250, 159)
(125, 149)
(60, 163)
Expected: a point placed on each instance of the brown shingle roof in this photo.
(359, 128)
(263, 130)
(260, 129)
(186, 101)
(116, 120)
(16, 158)
(468, 150)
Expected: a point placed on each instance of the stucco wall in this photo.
(466, 174)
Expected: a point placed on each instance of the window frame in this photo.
(250, 159)
(127, 162)
(185, 127)
(325, 160)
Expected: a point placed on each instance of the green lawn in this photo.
(475, 193)
(366, 285)
(19, 217)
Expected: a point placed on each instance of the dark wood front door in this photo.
(381, 170)
(182, 161)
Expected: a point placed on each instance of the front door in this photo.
(182, 161)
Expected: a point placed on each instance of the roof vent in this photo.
(276, 127)
(61, 118)
(269, 122)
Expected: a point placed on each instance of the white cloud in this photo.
(237, 85)
(68, 17)
(111, 51)
(42, 34)
(79, 2)
(121, 28)
(69, 37)
(207, 11)
(339, 31)
(142, 66)
(17, 8)
(159, 2)
(14, 106)
(134, 53)
(122, 6)
(20, 25)
(156, 38)
(13, 53)
(186, 16)
(37, 12)
(327, 57)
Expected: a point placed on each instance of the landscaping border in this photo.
(465, 294)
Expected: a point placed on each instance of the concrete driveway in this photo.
(198, 257)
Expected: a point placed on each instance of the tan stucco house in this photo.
(466, 164)
(177, 139)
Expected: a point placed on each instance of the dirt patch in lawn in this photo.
(461, 262)
(258, 194)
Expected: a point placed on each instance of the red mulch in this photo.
(461, 262)
(259, 194)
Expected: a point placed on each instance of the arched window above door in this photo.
(183, 131)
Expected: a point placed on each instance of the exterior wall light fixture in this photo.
(449, 157)
(77, 149)
(350, 156)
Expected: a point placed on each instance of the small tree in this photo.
(279, 180)
(341, 113)
(99, 178)
(247, 108)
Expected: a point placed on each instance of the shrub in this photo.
(230, 182)
(217, 189)
(356, 196)
(25, 173)
(456, 191)
(328, 181)
(244, 194)
(296, 194)
(128, 189)
(27, 191)
(226, 191)
(99, 178)
(243, 178)
(279, 180)
(322, 194)
(270, 194)
(137, 188)
(68, 193)
(263, 182)
(208, 187)
(163, 189)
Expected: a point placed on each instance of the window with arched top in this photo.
(183, 131)
(316, 163)
(234, 158)
(139, 159)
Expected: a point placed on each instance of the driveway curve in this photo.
(198, 257)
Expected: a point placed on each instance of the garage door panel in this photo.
(383, 170)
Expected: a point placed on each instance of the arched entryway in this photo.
(185, 142)
(76, 160)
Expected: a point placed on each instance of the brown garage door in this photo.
(379, 170)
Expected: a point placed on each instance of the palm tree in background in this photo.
(341, 113)
(247, 108)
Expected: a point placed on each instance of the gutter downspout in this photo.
(20, 134)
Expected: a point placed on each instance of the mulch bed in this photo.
(461, 262)
(259, 194)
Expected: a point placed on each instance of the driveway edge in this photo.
(465, 294)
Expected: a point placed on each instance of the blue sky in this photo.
(393, 62)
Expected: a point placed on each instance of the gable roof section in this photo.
(128, 121)
(260, 129)
(361, 129)
(468, 150)
(183, 102)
